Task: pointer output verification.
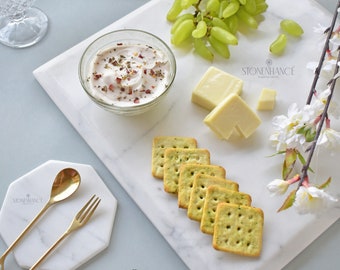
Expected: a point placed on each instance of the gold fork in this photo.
(81, 218)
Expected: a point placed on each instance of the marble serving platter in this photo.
(124, 143)
(27, 195)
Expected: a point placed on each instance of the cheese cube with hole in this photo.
(232, 114)
(266, 100)
(214, 86)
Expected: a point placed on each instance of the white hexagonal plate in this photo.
(26, 197)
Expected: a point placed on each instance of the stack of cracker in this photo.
(209, 197)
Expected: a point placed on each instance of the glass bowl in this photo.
(128, 71)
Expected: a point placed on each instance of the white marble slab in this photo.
(124, 144)
(27, 195)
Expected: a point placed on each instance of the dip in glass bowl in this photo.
(127, 71)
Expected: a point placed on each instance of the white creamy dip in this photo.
(127, 75)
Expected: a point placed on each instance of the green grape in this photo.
(188, 3)
(220, 23)
(220, 48)
(202, 49)
(182, 32)
(250, 6)
(232, 23)
(242, 2)
(260, 8)
(291, 27)
(213, 7)
(248, 19)
(279, 44)
(179, 20)
(223, 36)
(174, 11)
(201, 30)
(231, 9)
(223, 5)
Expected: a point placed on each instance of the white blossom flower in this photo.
(312, 65)
(329, 138)
(329, 61)
(313, 110)
(319, 102)
(334, 42)
(320, 29)
(285, 133)
(322, 96)
(277, 187)
(312, 200)
(327, 67)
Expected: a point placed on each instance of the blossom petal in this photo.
(311, 200)
(329, 138)
(277, 187)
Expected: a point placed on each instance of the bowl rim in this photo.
(134, 107)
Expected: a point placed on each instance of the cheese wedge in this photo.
(233, 113)
(214, 86)
(266, 100)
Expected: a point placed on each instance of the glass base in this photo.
(25, 31)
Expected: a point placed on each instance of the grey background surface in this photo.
(33, 130)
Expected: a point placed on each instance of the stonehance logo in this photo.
(268, 70)
(25, 200)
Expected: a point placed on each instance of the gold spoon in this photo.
(65, 184)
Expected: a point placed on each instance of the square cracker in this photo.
(214, 196)
(160, 143)
(238, 229)
(199, 190)
(174, 158)
(187, 174)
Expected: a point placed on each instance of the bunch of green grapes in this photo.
(212, 25)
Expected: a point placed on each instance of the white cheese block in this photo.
(266, 100)
(214, 86)
(232, 114)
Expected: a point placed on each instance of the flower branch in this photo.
(324, 118)
(303, 130)
(325, 50)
